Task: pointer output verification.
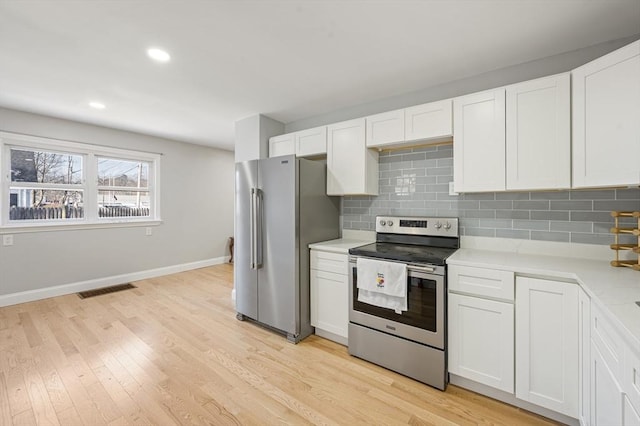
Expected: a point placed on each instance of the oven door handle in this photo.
(421, 269)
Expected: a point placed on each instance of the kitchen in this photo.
(483, 209)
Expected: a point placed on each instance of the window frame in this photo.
(89, 186)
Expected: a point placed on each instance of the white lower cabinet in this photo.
(551, 346)
(606, 394)
(630, 416)
(519, 335)
(330, 294)
(481, 340)
(584, 358)
(547, 344)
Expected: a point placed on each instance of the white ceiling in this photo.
(288, 60)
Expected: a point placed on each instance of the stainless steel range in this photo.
(412, 342)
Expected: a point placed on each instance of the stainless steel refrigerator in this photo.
(281, 207)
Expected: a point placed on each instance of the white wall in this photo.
(539, 68)
(197, 193)
(252, 137)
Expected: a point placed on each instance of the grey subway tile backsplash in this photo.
(514, 214)
(586, 205)
(562, 237)
(624, 205)
(513, 233)
(550, 195)
(549, 215)
(415, 182)
(593, 195)
(540, 225)
(531, 205)
(571, 226)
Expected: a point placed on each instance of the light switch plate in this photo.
(7, 240)
(148, 231)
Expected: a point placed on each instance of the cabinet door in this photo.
(479, 142)
(429, 121)
(385, 129)
(311, 142)
(547, 344)
(631, 377)
(481, 340)
(606, 395)
(606, 128)
(330, 302)
(538, 134)
(282, 145)
(630, 415)
(352, 169)
(584, 359)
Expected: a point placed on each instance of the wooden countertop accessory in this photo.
(635, 247)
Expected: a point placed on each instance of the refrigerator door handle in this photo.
(259, 227)
(252, 214)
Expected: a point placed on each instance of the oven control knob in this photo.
(447, 226)
(390, 223)
(438, 225)
(383, 223)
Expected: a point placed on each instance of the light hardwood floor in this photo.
(172, 352)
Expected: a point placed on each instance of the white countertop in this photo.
(341, 245)
(614, 290)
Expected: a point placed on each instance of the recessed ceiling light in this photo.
(97, 105)
(158, 55)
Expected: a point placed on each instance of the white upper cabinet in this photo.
(352, 169)
(606, 123)
(282, 145)
(311, 142)
(385, 129)
(538, 149)
(305, 143)
(479, 142)
(432, 121)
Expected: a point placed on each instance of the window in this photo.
(50, 182)
(123, 188)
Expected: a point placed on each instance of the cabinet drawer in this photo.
(608, 341)
(482, 282)
(631, 377)
(330, 262)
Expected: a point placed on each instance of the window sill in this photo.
(22, 228)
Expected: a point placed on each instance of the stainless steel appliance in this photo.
(281, 207)
(414, 342)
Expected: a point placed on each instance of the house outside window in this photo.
(48, 182)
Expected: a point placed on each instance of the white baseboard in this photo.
(60, 290)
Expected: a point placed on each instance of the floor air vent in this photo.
(105, 290)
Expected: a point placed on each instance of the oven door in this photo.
(424, 320)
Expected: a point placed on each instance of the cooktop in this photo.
(408, 253)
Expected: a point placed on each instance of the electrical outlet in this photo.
(149, 231)
(451, 191)
(7, 240)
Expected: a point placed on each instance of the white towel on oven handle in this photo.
(382, 284)
(398, 304)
